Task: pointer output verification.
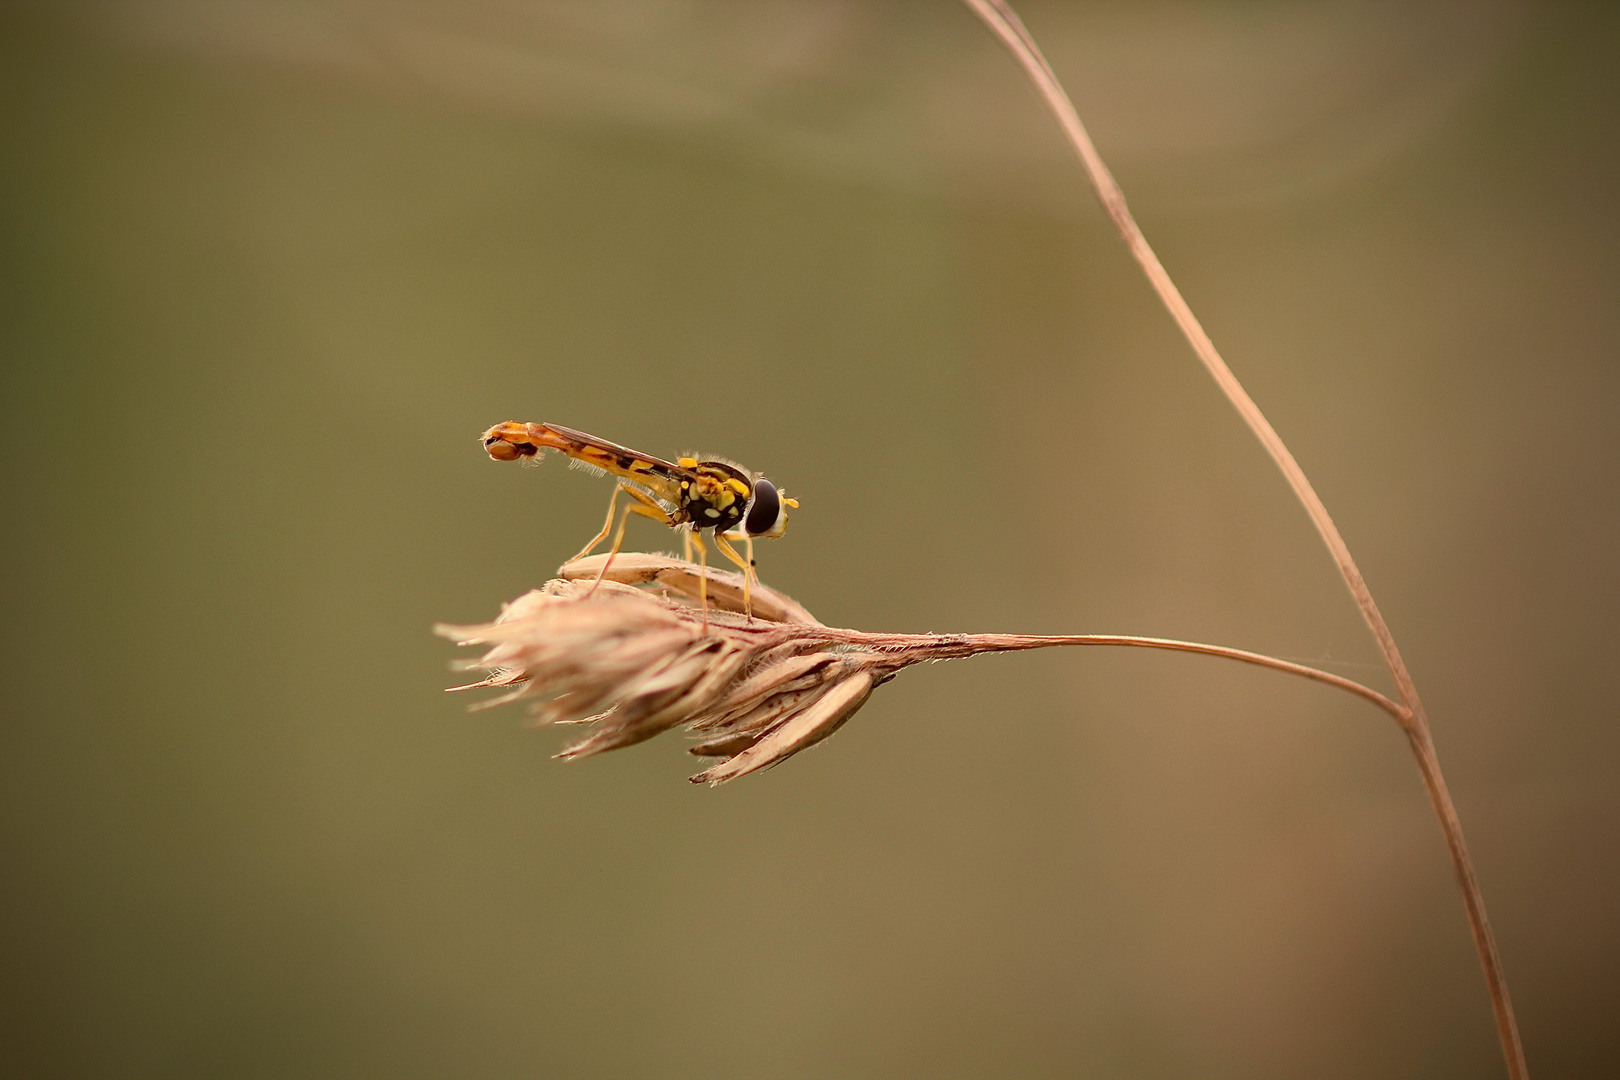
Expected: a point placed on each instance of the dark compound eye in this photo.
(765, 508)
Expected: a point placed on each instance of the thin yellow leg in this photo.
(703, 579)
(606, 525)
(748, 548)
(646, 507)
(731, 553)
(686, 546)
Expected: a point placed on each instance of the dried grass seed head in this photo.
(635, 656)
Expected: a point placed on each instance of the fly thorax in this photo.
(717, 497)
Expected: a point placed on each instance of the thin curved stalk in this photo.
(1005, 24)
(949, 646)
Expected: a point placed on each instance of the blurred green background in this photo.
(270, 267)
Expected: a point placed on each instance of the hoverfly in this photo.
(687, 494)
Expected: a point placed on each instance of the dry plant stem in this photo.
(1006, 25)
(953, 646)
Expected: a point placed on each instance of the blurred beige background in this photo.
(269, 268)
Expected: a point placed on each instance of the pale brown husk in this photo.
(635, 655)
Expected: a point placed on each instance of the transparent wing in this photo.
(662, 478)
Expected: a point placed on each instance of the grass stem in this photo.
(1005, 24)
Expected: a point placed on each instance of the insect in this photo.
(687, 494)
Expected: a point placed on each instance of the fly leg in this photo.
(747, 571)
(646, 506)
(703, 578)
(606, 525)
(748, 540)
